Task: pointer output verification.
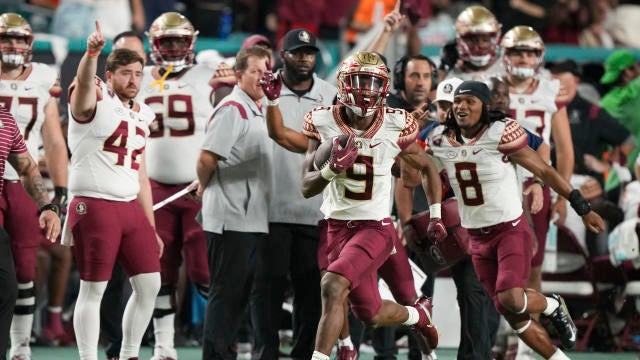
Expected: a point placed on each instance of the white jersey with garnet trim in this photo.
(107, 148)
(534, 111)
(183, 107)
(25, 98)
(362, 192)
(481, 175)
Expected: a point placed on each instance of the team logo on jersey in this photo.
(14, 86)
(464, 153)
(359, 144)
(521, 100)
(81, 208)
(452, 154)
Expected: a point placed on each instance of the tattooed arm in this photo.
(32, 181)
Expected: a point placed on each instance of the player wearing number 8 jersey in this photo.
(478, 149)
(357, 189)
(110, 216)
(178, 92)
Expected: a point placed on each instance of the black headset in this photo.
(401, 66)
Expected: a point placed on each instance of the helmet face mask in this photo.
(16, 40)
(172, 40)
(519, 40)
(363, 83)
(477, 36)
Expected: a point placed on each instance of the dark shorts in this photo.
(105, 231)
(356, 250)
(20, 218)
(541, 224)
(182, 236)
(501, 255)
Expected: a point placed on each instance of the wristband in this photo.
(53, 207)
(327, 173)
(435, 211)
(539, 182)
(94, 54)
(273, 102)
(578, 203)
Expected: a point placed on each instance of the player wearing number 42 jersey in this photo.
(110, 214)
(179, 93)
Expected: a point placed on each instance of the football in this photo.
(324, 151)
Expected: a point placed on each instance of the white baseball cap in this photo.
(446, 88)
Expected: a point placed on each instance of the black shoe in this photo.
(561, 320)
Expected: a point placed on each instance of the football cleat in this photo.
(347, 353)
(561, 320)
(426, 332)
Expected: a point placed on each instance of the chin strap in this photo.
(160, 82)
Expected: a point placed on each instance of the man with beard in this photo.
(292, 245)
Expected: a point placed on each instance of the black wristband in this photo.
(53, 207)
(578, 203)
(539, 182)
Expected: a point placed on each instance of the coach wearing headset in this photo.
(414, 77)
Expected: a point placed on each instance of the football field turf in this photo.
(69, 353)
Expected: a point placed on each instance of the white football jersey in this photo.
(534, 111)
(480, 172)
(182, 107)
(108, 148)
(25, 98)
(362, 192)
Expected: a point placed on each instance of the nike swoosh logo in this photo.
(476, 151)
(342, 158)
(27, 88)
(371, 146)
(464, 91)
(515, 223)
(385, 223)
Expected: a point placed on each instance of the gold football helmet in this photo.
(13, 25)
(477, 35)
(522, 38)
(172, 39)
(363, 83)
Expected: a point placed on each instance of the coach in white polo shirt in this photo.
(234, 171)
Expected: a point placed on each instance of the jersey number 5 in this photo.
(117, 143)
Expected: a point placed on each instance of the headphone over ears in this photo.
(401, 66)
